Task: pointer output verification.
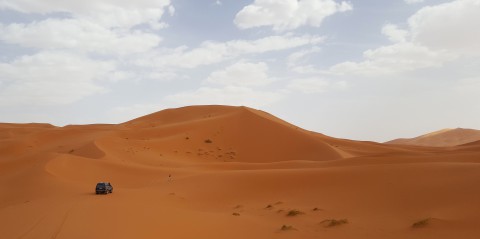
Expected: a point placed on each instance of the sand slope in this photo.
(235, 172)
(442, 138)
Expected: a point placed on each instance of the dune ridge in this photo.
(230, 172)
(442, 138)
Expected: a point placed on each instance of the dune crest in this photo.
(442, 138)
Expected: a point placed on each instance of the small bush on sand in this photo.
(269, 206)
(287, 228)
(334, 222)
(421, 223)
(294, 212)
(208, 141)
(236, 214)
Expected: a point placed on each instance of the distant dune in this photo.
(230, 172)
(442, 138)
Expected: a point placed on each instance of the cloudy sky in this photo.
(358, 69)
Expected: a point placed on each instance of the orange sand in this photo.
(442, 138)
(236, 173)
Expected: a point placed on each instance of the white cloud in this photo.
(315, 85)
(397, 58)
(273, 43)
(241, 74)
(469, 86)
(214, 52)
(452, 26)
(171, 10)
(68, 39)
(298, 62)
(436, 36)
(234, 85)
(296, 57)
(288, 14)
(413, 1)
(395, 34)
(158, 75)
(229, 95)
(109, 13)
(78, 35)
(52, 78)
(309, 85)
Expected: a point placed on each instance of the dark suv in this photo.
(103, 187)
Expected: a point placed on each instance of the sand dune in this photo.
(442, 138)
(235, 172)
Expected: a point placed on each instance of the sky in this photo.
(364, 70)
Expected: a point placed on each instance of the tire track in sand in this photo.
(60, 227)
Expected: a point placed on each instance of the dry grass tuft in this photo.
(287, 228)
(294, 212)
(334, 222)
(421, 223)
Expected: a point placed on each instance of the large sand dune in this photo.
(235, 173)
(442, 138)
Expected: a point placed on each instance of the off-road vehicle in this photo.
(103, 187)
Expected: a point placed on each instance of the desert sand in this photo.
(442, 138)
(235, 172)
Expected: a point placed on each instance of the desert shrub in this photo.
(287, 228)
(421, 223)
(294, 212)
(334, 222)
(208, 141)
(236, 214)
